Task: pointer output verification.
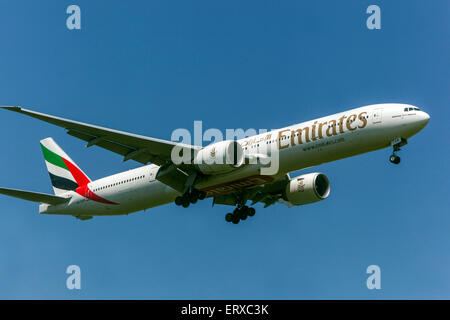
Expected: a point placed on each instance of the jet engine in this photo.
(307, 188)
(220, 157)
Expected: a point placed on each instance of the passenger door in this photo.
(377, 116)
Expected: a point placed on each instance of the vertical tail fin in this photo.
(64, 173)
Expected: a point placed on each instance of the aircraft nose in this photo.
(424, 118)
(421, 120)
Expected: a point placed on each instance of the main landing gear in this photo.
(190, 196)
(396, 144)
(240, 213)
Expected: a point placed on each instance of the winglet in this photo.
(17, 109)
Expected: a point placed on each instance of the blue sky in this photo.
(151, 67)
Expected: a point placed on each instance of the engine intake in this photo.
(307, 188)
(220, 157)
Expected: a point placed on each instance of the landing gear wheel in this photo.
(229, 217)
(235, 219)
(394, 159)
(193, 197)
(251, 212)
(185, 204)
(178, 201)
(185, 200)
(243, 214)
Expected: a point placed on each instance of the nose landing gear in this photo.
(396, 144)
(394, 159)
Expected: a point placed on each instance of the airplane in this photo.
(230, 172)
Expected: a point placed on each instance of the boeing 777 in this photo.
(230, 172)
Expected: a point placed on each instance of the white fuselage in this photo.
(303, 145)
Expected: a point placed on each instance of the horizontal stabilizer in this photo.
(34, 196)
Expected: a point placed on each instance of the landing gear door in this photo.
(377, 116)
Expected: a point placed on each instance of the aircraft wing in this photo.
(131, 146)
(34, 196)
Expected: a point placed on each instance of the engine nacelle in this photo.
(308, 188)
(220, 157)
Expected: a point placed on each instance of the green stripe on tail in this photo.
(53, 158)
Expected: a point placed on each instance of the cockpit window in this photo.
(412, 109)
(416, 109)
(406, 109)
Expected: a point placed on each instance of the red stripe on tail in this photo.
(79, 176)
